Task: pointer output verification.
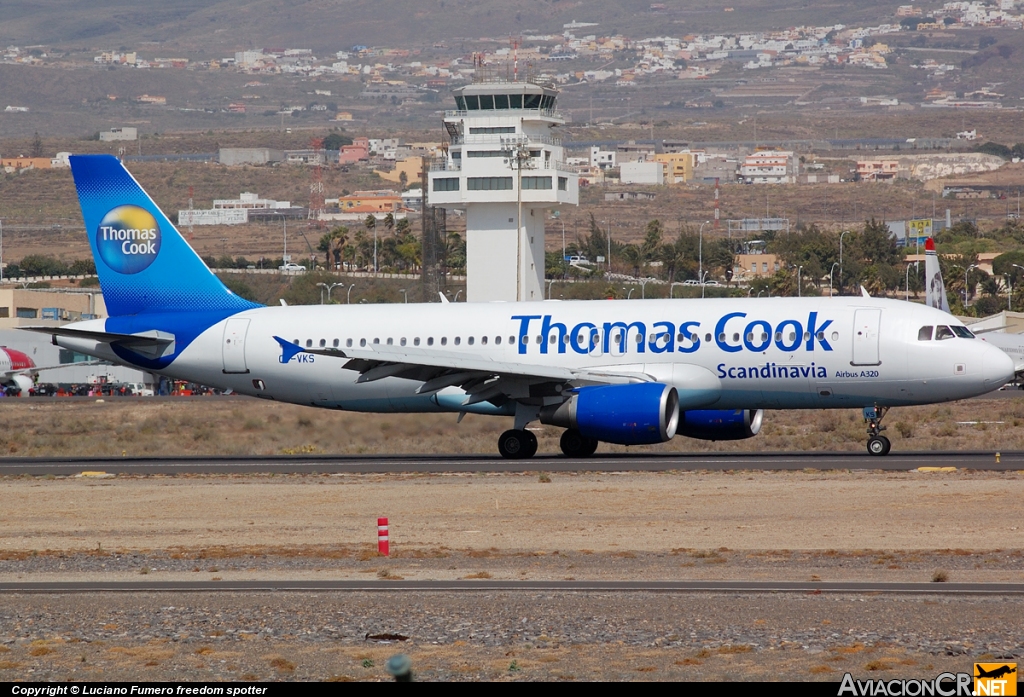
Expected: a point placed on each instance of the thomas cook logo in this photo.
(995, 679)
(128, 239)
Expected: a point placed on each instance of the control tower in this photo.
(506, 170)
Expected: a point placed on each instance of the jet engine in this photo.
(635, 414)
(24, 383)
(720, 424)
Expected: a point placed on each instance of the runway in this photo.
(485, 586)
(431, 464)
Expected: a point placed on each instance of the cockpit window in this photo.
(963, 332)
(943, 333)
(924, 334)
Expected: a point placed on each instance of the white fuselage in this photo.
(793, 353)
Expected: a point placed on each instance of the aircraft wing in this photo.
(482, 378)
(35, 369)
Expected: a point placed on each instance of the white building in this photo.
(642, 173)
(230, 211)
(605, 159)
(769, 167)
(126, 133)
(506, 170)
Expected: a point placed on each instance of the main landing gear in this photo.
(520, 444)
(517, 444)
(877, 443)
(575, 444)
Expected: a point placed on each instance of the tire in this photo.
(531, 445)
(573, 443)
(878, 445)
(513, 444)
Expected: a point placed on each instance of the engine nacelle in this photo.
(24, 383)
(636, 414)
(720, 424)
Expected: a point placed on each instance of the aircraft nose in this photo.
(998, 368)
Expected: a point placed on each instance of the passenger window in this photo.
(721, 337)
(402, 341)
(444, 341)
(430, 341)
(416, 341)
(552, 339)
(390, 341)
(458, 340)
(295, 341)
(707, 337)
(362, 342)
(511, 340)
(497, 339)
(526, 340)
(470, 341)
(943, 333)
(323, 343)
(924, 334)
(348, 343)
(376, 340)
(483, 340)
(337, 343)
(309, 343)
(640, 339)
(540, 339)
(778, 336)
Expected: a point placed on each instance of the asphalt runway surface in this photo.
(484, 586)
(405, 464)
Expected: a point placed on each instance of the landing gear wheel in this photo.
(517, 445)
(531, 445)
(879, 445)
(575, 444)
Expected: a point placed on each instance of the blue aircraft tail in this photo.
(144, 264)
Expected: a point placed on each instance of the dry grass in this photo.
(144, 427)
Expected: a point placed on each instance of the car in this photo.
(712, 283)
(291, 267)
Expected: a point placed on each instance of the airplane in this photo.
(628, 372)
(935, 296)
(17, 370)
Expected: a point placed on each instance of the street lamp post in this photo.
(405, 295)
(799, 283)
(672, 286)
(700, 251)
(457, 296)
(841, 236)
(702, 285)
(830, 271)
(967, 271)
(348, 295)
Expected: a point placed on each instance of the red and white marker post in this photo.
(383, 547)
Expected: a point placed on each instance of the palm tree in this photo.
(389, 222)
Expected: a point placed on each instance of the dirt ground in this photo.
(743, 525)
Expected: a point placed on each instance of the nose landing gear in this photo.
(877, 443)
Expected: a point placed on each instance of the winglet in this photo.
(864, 292)
(288, 349)
(444, 300)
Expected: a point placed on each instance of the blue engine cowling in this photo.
(636, 414)
(720, 424)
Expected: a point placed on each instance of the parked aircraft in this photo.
(17, 370)
(628, 372)
(935, 296)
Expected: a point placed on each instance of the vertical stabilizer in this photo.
(144, 264)
(935, 290)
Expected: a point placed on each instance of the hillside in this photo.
(219, 27)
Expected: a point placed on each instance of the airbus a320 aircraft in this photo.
(628, 372)
(17, 370)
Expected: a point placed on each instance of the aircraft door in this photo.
(866, 325)
(234, 345)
